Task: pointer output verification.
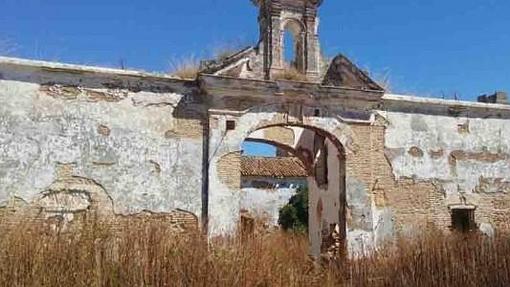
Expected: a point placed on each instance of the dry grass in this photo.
(436, 259)
(147, 254)
(227, 49)
(188, 67)
(185, 68)
(290, 74)
(384, 80)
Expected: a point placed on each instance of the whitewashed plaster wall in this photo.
(447, 135)
(468, 159)
(122, 145)
(265, 203)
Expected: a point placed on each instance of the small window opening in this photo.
(317, 113)
(321, 160)
(463, 219)
(231, 125)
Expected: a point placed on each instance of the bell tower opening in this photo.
(292, 46)
(288, 36)
(290, 49)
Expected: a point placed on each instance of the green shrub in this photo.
(294, 215)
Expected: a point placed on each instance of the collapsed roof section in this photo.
(247, 64)
(269, 59)
(343, 73)
(234, 65)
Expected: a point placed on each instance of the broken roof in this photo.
(341, 71)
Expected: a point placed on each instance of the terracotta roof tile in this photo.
(272, 167)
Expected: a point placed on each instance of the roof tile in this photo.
(272, 167)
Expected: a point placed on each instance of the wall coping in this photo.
(443, 102)
(388, 99)
(74, 68)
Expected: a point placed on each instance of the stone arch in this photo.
(273, 115)
(284, 135)
(305, 116)
(332, 137)
(327, 203)
(296, 26)
(224, 213)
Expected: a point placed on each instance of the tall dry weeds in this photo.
(148, 254)
(185, 67)
(188, 67)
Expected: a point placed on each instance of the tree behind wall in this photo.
(294, 215)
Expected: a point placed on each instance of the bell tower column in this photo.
(298, 17)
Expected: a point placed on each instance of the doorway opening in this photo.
(284, 167)
(463, 219)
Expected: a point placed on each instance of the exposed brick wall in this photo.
(280, 134)
(418, 203)
(412, 203)
(493, 208)
(359, 164)
(185, 128)
(177, 220)
(229, 170)
(79, 93)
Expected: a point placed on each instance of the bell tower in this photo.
(299, 17)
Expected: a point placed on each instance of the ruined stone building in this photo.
(76, 140)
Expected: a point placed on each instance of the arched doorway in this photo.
(319, 140)
(272, 176)
(323, 160)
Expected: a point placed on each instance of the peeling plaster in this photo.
(72, 134)
(458, 158)
(111, 142)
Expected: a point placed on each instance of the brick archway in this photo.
(328, 203)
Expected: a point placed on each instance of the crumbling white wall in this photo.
(467, 158)
(120, 140)
(437, 140)
(138, 140)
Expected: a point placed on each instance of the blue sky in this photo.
(258, 149)
(429, 48)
